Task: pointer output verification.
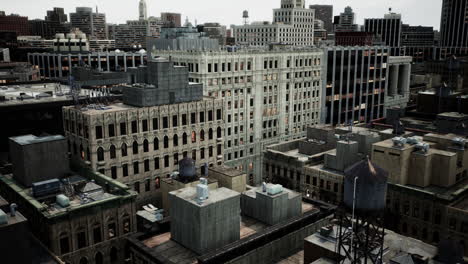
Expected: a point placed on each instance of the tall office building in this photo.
(92, 24)
(135, 33)
(388, 28)
(417, 36)
(293, 24)
(56, 15)
(269, 96)
(324, 13)
(345, 22)
(171, 19)
(143, 10)
(356, 84)
(454, 23)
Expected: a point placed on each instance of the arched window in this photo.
(218, 132)
(175, 140)
(124, 150)
(166, 142)
(100, 154)
(145, 145)
(83, 260)
(135, 147)
(194, 137)
(210, 134)
(64, 243)
(99, 259)
(113, 255)
(156, 144)
(202, 135)
(184, 139)
(112, 152)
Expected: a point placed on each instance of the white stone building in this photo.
(293, 24)
(269, 96)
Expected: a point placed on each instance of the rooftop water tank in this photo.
(371, 187)
(274, 189)
(187, 170)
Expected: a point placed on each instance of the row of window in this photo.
(203, 153)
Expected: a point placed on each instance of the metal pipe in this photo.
(352, 218)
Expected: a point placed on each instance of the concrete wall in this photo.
(206, 227)
(235, 183)
(39, 161)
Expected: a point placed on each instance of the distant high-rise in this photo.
(92, 24)
(143, 10)
(454, 23)
(324, 13)
(15, 23)
(345, 21)
(388, 28)
(56, 15)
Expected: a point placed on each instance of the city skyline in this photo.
(228, 13)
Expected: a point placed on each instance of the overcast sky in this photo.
(227, 12)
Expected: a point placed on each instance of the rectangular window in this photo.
(147, 185)
(156, 163)
(165, 122)
(134, 127)
(166, 161)
(136, 187)
(184, 119)
(81, 239)
(145, 125)
(218, 114)
(111, 130)
(125, 170)
(210, 115)
(147, 165)
(174, 121)
(97, 234)
(98, 132)
(114, 172)
(202, 117)
(136, 168)
(193, 118)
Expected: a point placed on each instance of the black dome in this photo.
(187, 169)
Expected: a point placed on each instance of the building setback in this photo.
(417, 36)
(453, 26)
(388, 28)
(269, 96)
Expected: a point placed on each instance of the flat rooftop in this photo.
(253, 193)
(462, 205)
(162, 246)
(31, 139)
(81, 192)
(394, 244)
(121, 107)
(39, 93)
(228, 171)
(190, 195)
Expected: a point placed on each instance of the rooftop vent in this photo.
(412, 140)
(459, 142)
(422, 147)
(399, 142)
(62, 200)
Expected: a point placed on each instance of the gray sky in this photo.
(227, 12)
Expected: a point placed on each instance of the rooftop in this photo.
(82, 193)
(190, 194)
(31, 139)
(228, 171)
(39, 93)
(120, 107)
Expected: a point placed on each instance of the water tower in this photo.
(245, 16)
(361, 231)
